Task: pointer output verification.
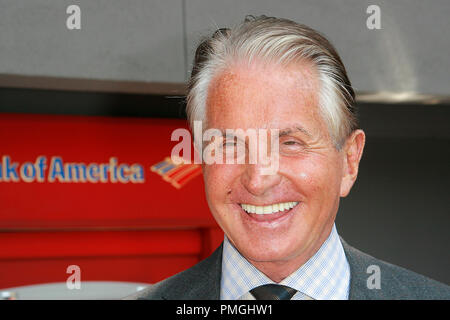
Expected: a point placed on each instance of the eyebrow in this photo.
(296, 128)
(282, 132)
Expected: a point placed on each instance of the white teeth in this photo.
(268, 209)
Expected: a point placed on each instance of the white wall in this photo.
(154, 40)
(119, 40)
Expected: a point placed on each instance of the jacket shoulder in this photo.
(395, 282)
(202, 281)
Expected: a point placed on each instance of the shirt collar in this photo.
(325, 276)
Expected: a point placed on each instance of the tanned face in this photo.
(301, 199)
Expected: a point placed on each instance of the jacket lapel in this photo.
(201, 282)
(359, 262)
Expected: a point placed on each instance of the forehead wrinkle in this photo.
(231, 87)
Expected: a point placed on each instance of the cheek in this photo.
(218, 180)
(218, 185)
(312, 177)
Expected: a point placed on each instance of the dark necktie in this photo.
(273, 292)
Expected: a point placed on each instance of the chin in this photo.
(270, 250)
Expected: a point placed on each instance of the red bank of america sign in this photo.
(77, 171)
(112, 171)
(72, 172)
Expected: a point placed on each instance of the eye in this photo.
(291, 143)
(229, 143)
(290, 146)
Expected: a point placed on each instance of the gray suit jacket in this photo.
(202, 281)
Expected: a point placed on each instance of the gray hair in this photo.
(279, 41)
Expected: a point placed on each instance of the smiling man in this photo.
(280, 238)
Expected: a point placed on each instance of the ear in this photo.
(352, 152)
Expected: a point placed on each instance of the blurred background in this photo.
(106, 79)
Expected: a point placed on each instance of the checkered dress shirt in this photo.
(325, 276)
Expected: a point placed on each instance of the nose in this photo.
(256, 181)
